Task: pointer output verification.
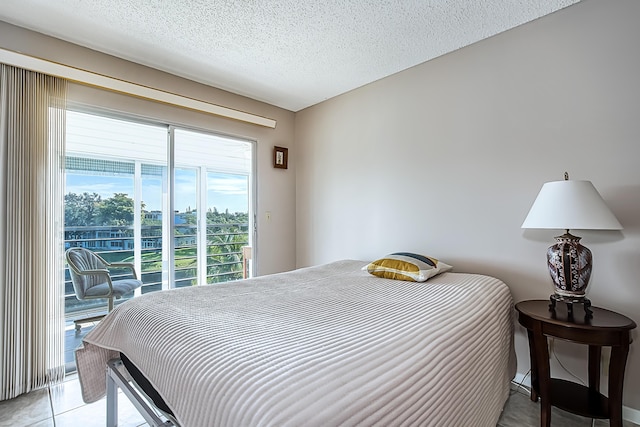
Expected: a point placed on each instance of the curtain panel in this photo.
(32, 129)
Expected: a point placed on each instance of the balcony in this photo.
(224, 259)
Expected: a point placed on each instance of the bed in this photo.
(320, 346)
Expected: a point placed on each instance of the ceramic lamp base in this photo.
(570, 266)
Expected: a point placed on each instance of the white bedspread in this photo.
(320, 346)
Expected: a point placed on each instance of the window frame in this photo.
(168, 227)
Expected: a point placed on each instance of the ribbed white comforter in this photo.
(320, 346)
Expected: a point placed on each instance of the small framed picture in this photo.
(280, 157)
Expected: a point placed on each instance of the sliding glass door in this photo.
(175, 202)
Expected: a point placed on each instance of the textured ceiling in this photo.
(289, 53)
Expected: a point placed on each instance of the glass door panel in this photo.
(186, 227)
(222, 202)
(101, 222)
(153, 247)
(227, 226)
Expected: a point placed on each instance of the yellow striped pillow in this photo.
(407, 266)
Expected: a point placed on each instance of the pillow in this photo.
(406, 266)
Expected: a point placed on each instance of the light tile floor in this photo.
(61, 405)
(520, 411)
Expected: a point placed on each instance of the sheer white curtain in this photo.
(32, 129)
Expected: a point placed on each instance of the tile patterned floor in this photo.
(61, 406)
(520, 411)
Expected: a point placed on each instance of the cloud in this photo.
(84, 184)
(223, 191)
(233, 185)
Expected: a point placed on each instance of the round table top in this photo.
(602, 318)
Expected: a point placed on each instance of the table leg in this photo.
(543, 374)
(595, 353)
(616, 381)
(535, 385)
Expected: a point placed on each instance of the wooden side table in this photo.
(605, 329)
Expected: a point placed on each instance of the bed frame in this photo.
(115, 380)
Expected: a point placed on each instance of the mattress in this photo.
(319, 346)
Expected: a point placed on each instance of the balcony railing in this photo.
(224, 257)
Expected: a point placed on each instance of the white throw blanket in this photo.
(320, 346)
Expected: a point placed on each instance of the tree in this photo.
(81, 209)
(215, 217)
(116, 210)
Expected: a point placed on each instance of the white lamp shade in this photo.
(570, 205)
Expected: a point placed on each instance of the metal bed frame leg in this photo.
(116, 380)
(112, 399)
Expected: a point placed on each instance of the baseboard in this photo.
(628, 414)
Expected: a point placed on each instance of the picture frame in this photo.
(280, 157)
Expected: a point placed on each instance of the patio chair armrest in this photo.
(101, 271)
(128, 265)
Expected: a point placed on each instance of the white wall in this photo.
(446, 159)
(276, 187)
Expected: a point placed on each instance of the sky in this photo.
(224, 191)
(114, 144)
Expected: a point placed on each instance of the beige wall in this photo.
(276, 187)
(446, 159)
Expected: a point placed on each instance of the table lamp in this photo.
(570, 205)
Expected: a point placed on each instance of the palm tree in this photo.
(224, 255)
